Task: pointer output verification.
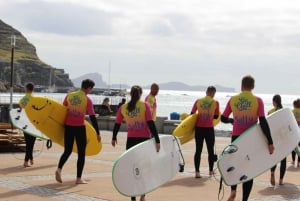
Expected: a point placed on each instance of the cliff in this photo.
(27, 65)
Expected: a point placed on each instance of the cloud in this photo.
(62, 18)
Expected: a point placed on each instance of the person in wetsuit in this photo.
(247, 109)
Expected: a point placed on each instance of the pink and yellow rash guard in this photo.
(136, 120)
(207, 107)
(296, 112)
(78, 104)
(246, 109)
(152, 103)
(25, 100)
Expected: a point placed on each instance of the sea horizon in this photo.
(168, 101)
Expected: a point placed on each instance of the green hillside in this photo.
(27, 66)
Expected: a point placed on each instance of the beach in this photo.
(38, 182)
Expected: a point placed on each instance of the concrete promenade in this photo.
(38, 182)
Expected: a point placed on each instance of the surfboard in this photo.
(248, 156)
(141, 169)
(185, 131)
(48, 115)
(19, 119)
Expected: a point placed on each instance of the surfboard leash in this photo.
(221, 187)
(181, 166)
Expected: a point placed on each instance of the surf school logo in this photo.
(243, 104)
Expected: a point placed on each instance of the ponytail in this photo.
(135, 92)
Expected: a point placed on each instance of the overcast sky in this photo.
(198, 42)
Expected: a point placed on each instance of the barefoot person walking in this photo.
(78, 104)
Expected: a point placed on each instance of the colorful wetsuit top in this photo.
(78, 104)
(246, 109)
(296, 112)
(152, 102)
(207, 108)
(25, 100)
(136, 120)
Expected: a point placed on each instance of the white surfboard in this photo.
(20, 120)
(141, 169)
(248, 156)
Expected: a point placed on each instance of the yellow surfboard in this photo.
(185, 131)
(48, 116)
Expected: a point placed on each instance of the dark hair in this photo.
(277, 100)
(296, 103)
(154, 86)
(135, 92)
(29, 86)
(211, 89)
(87, 83)
(248, 82)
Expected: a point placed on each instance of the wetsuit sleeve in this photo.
(226, 120)
(94, 123)
(116, 130)
(153, 130)
(266, 129)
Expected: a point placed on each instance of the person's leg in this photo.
(199, 139)
(247, 187)
(282, 170)
(293, 157)
(272, 178)
(27, 149)
(80, 136)
(210, 143)
(68, 146)
(233, 193)
(31, 141)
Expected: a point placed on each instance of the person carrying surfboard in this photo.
(139, 123)
(277, 106)
(29, 139)
(78, 104)
(247, 109)
(208, 110)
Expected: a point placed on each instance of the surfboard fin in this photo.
(230, 169)
(244, 177)
(230, 149)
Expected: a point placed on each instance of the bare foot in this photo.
(272, 179)
(81, 181)
(31, 162)
(143, 198)
(280, 181)
(197, 175)
(26, 164)
(58, 176)
(232, 196)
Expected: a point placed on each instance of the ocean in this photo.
(168, 101)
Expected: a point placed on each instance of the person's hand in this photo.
(99, 138)
(157, 147)
(271, 148)
(114, 142)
